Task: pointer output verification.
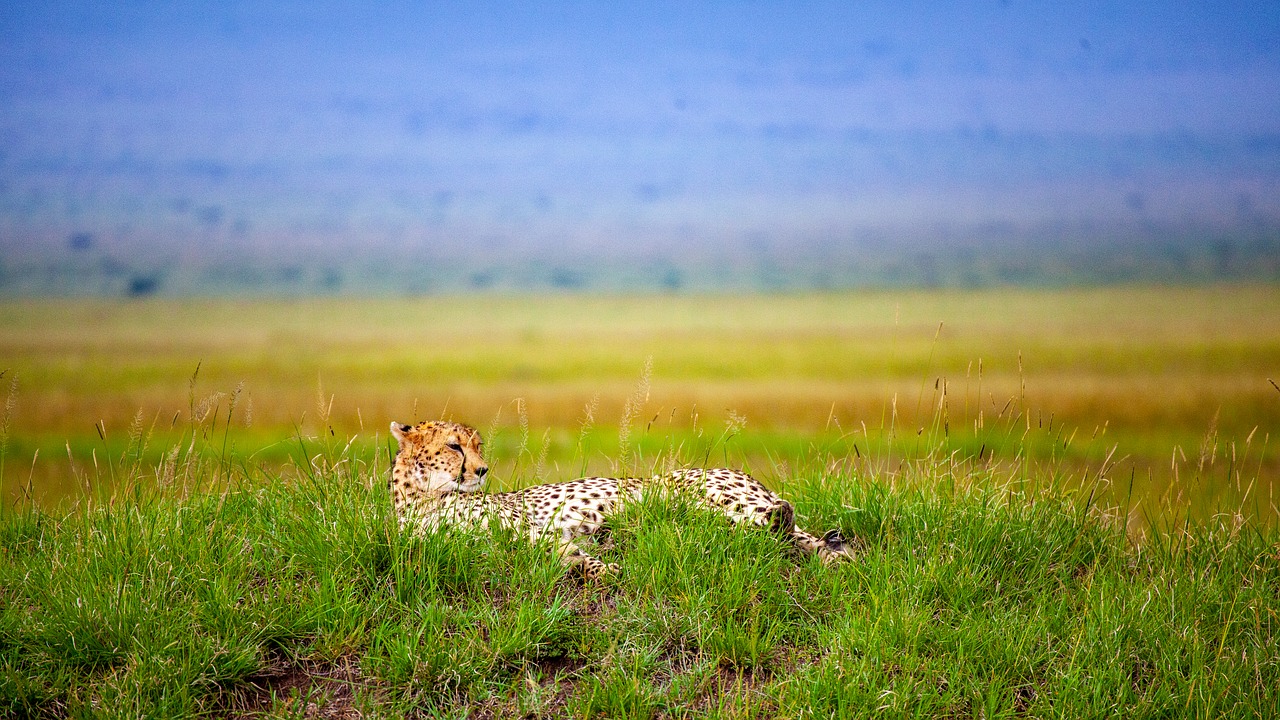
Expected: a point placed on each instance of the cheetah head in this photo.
(435, 458)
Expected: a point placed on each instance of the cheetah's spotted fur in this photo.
(439, 468)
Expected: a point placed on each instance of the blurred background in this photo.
(786, 236)
(410, 148)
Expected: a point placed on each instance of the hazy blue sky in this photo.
(571, 125)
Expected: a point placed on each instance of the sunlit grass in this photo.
(1170, 383)
(208, 584)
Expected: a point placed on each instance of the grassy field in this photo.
(1164, 392)
(1063, 504)
(972, 594)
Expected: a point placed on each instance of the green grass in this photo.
(1064, 502)
(979, 591)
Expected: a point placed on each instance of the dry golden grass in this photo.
(1158, 368)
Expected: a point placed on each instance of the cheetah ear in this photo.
(399, 430)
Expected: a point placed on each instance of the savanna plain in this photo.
(1063, 504)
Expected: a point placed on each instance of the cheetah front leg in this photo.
(591, 567)
(574, 558)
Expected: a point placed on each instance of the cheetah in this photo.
(439, 470)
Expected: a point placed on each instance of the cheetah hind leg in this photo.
(782, 518)
(831, 547)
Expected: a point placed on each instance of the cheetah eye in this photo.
(454, 446)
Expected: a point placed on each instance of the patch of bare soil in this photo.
(552, 682)
(301, 688)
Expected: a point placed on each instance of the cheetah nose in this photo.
(480, 471)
